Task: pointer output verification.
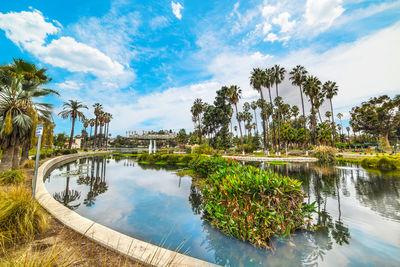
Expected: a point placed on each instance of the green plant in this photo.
(203, 149)
(325, 154)
(28, 164)
(13, 177)
(251, 204)
(20, 218)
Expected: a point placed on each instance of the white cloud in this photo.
(268, 10)
(69, 85)
(29, 30)
(272, 37)
(158, 22)
(176, 9)
(283, 21)
(322, 13)
(26, 28)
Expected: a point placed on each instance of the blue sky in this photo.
(146, 61)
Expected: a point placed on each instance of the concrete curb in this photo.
(269, 159)
(135, 249)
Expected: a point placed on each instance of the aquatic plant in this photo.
(385, 163)
(249, 203)
(325, 154)
(12, 177)
(164, 159)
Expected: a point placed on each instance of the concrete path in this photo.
(135, 249)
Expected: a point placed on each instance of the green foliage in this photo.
(249, 203)
(325, 154)
(13, 177)
(164, 159)
(203, 149)
(20, 218)
(381, 163)
(57, 152)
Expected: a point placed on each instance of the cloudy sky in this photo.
(147, 61)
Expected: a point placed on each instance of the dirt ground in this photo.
(76, 249)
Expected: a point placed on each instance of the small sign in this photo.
(39, 130)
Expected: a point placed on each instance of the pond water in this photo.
(359, 212)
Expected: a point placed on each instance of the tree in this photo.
(182, 137)
(380, 116)
(97, 111)
(20, 84)
(278, 75)
(340, 116)
(311, 88)
(197, 111)
(254, 108)
(234, 94)
(257, 80)
(72, 110)
(331, 89)
(298, 75)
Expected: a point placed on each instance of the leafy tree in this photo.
(234, 94)
(182, 137)
(197, 111)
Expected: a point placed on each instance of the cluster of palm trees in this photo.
(21, 84)
(308, 85)
(101, 121)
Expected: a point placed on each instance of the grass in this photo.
(28, 164)
(277, 162)
(20, 218)
(13, 177)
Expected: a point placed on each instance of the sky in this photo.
(147, 61)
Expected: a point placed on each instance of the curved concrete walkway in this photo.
(135, 249)
(269, 159)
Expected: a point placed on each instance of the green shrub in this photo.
(251, 204)
(203, 149)
(28, 164)
(13, 177)
(165, 158)
(20, 218)
(205, 166)
(325, 154)
(188, 150)
(381, 163)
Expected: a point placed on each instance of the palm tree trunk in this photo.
(71, 138)
(240, 128)
(8, 152)
(16, 158)
(95, 134)
(25, 151)
(100, 137)
(319, 115)
(333, 123)
(255, 118)
(279, 119)
(273, 123)
(263, 120)
(304, 122)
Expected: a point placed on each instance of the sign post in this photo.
(38, 133)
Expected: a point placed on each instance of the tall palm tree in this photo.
(197, 111)
(340, 116)
(85, 125)
(107, 119)
(254, 108)
(298, 76)
(312, 88)
(101, 124)
(234, 93)
(20, 83)
(278, 75)
(91, 123)
(72, 110)
(331, 89)
(257, 80)
(97, 111)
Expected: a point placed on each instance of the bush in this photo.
(13, 177)
(205, 166)
(28, 164)
(188, 150)
(20, 218)
(325, 154)
(251, 204)
(203, 149)
(381, 163)
(165, 158)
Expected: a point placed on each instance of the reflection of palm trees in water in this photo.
(195, 199)
(67, 196)
(95, 179)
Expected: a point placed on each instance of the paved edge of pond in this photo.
(272, 159)
(135, 249)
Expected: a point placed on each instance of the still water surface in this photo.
(359, 212)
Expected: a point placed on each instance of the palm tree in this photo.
(85, 125)
(254, 107)
(197, 111)
(294, 111)
(331, 89)
(234, 94)
(71, 110)
(340, 116)
(278, 75)
(97, 111)
(101, 124)
(298, 76)
(107, 119)
(91, 123)
(311, 88)
(348, 135)
(257, 80)
(20, 83)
